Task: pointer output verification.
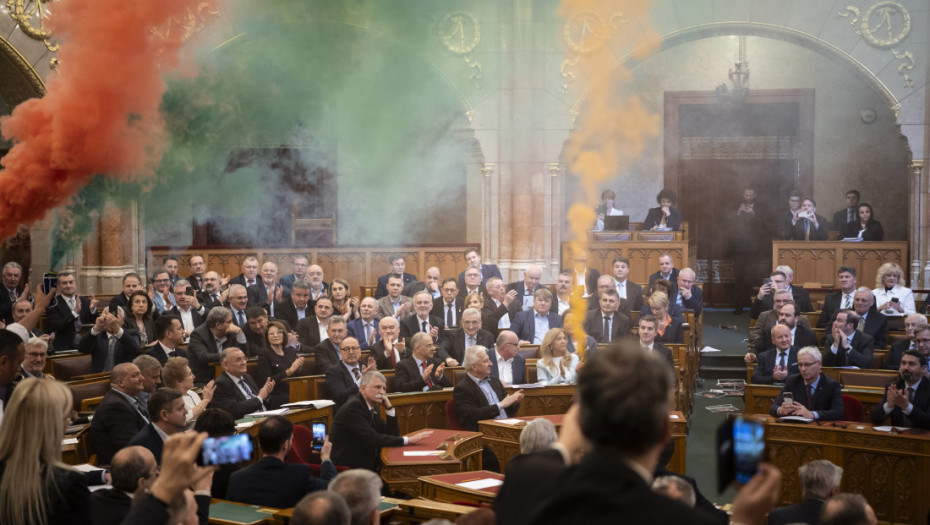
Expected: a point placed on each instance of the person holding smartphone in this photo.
(810, 394)
(807, 225)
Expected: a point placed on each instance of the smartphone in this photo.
(113, 308)
(600, 209)
(319, 435)
(49, 281)
(189, 291)
(767, 280)
(895, 300)
(225, 449)
(740, 448)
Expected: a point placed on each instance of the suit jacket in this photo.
(439, 310)
(201, 351)
(358, 435)
(411, 324)
(765, 366)
(384, 362)
(127, 348)
(695, 303)
(386, 309)
(894, 356)
(60, 320)
(531, 479)
(453, 345)
(673, 278)
(196, 318)
(381, 290)
(808, 511)
(802, 300)
(654, 217)
(920, 413)
(110, 506)
(760, 336)
(602, 486)
(71, 503)
(827, 398)
(414, 287)
(356, 328)
(840, 223)
(519, 367)
(230, 397)
(873, 231)
(802, 337)
(876, 325)
(663, 351)
(409, 378)
(491, 316)
(634, 296)
(674, 332)
(116, 421)
(816, 234)
(339, 384)
(590, 279)
(148, 437)
(860, 352)
(207, 300)
(195, 284)
(273, 483)
(6, 303)
(326, 356)
(258, 296)
(308, 331)
(517, 305)
(619, 327)
(286, 311)
(158, 351)
(471, 406)
(831, 305)
(240, 279)
(524, 324)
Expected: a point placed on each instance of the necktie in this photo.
(356, 374)
(367, 332)
(241, 319)
(13, 294)
(141, 408)
(375, 416)
(425, 327)
(111, 354)
(807, 230)
(172, 353)
(393, 358)
(810, 397)
(245, 389)
(450, 321)
(910, 394)
(429, 381)
(847, 302)
(469, 342)
(781, 360)
(251, 282)
(606, 332)
(861, 326)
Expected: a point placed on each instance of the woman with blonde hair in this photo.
(556, 364)
(177, 375)
(891, 297)
(35, 486)
(668, 327)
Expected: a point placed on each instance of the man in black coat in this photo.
(765, 300)
(452, 347)
(398, 265)
(449, 307)
(132, 468)
(668, 272)
(296, 307)
(814, 395)
(12, 290)
(848, 215)
(359, 432)
(626, 289)
(168, 416)
(343, 377)
(326, 353)
(506, 354)
(308, 328)
(873, 322)
(618, 323)
(778, 362)
(168, 334)
(911, 322)
(391, 348)
(209, 339)
(908, 402)
(236, 391)
(820, 480)
(421, 371)
(210, 295)
(273, 483)
(471, 402)
(70, 311)
(846, 346)
(108, 334)
(787, 314)
(421, 320)
(120, 415)
(841, 299)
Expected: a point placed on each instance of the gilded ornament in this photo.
(883, 25)
(905, 67)
(460, 34)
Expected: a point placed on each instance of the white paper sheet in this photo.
(267, 413)
(511, 421)
(421, 453)
(69, 441)
(479, 484)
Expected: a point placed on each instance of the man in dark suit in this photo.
(237, 299)
(531, 325)
(604, 283)
(296, 307)
(449, 307)
(786, 216)
(120, 415)
(209, 339)
(473, 259)
(628, 290)
(70, 311)
(359, 432)
(326, 353)
(432, 284)
(689, 296)
(267, 292)
(343, 377)
(318, 287)
(257, 319)
(131, 283)
(525, 289)
(646, 331)
(911, 322)
(236, 391)
(452, 347)
(809, 226)
(108, 344)
(584, 276)
(132, 468)
(390, 348)
(210, 295)
(506, 362)
(787, 314)
(765, 300)
(908, 402)
(841, 299)
(273, 483)
(249, 275)
(619, 325)
(301, 263)
(849, 214)
(421, 320)
(666, 271)
(778, 362)
(398, 265)
(607, 483)
(168, 415)
(871, 321)
(187, 308)
(198, 266)
(495, 315)
(820, 480)
(169, 334)
(365, 327)
(471, 283)
(846, 346)
(308, 328)
(421, 371)
(814, 395)
(12, 275)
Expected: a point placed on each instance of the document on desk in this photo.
(69, 441)
(511, 421)
(796, 418)
(268, 413)
(422, 453)
(316, 403)
(479, 484)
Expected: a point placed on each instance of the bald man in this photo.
(525, 289)
(776, 364)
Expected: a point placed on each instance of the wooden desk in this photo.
(401, 472)
(759, 398)
(223, 512)
(504, 439)
(546, 400)
(818, 261)
(415, 511)
(890, 470)
(444, 487)
(643, 256)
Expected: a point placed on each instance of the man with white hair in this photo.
(813, 395)
(108, 344)
(361, 490)
(13, 289)
(898, 348)
(820, 480)
(525, 289)
(537, 436)
(236, 391)
(452, 348)
(34, 360)
(689, 296)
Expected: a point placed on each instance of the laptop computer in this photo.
(616, 223)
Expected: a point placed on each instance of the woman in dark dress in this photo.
(669, 328)
(277, 362)
(35, 486)
(866, 228)
(139, 318)
(664, 217)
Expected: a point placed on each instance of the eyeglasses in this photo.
(348, 348)
(807, 365)
(162, 280)
(36, 355)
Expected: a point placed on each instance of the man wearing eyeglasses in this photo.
(421, 371)
(160, 293)
(34, 362)
(506, 364)
(810, 394)
(343, 378)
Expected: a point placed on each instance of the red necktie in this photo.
(429, 382)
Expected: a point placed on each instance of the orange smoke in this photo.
(100, 114)
(612, 125)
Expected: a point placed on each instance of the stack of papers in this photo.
(511, 421)
(267, 413)
(479, 484)
(422, 453)
(316, 403)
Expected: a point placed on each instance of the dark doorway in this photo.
(714, 150)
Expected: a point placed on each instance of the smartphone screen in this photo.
(748, 446)
(319, 435)
(225, 449)
(49, 281)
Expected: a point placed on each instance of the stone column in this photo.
(117, 248)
